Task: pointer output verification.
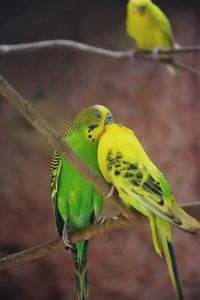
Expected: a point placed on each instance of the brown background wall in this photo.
(164, 112)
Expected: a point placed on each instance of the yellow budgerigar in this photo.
(141, 185)
(149, 26)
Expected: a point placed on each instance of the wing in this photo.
(56, 166)
(143, 183)
(164, 24)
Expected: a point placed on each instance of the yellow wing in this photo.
(124, 163)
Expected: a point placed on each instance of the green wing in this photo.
(145, 184)
(56, 166)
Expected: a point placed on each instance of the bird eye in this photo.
(109, 118)
(98, 115)
(142, 8)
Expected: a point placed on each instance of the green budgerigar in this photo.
(75, 200)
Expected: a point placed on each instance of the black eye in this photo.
(98, 115)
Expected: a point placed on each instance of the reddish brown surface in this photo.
(164, 112)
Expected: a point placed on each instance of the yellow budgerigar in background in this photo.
(149, 26)
(141, 185)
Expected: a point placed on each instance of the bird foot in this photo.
(156, 52)
(131, 53)
(111, 191)
(65, 236)
(99, 219)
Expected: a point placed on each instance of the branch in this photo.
(43, 249)
(137, 54)
(110, 224)
(62, 44)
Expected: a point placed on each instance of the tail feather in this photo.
(161, 232)
(171, 262)
(79, 254)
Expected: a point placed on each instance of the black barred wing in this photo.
(141, 183)
(56, 165)
(55, 174)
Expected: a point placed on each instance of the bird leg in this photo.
(99, 219)
(156, 51)
(65, 236)
(112, 189)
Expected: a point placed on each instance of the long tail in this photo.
(79, 255)
(161, 232)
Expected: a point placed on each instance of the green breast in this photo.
(77, 199)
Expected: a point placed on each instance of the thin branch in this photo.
(186, 68)
(134, 53)
(110, 224)
(60, 44)
(41, 250)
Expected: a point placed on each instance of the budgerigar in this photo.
(141, 185)
(149, 27)
(76, 202)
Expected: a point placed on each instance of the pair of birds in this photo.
(114, 151)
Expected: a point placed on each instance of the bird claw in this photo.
(65, 236)
(99, 219)
(111, 191)
(156, 51)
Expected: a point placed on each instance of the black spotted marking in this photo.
(155, 185)
(89, 136)
(117, 165)
(128, 175)
(152, 188)
(151, 178)
(161, 202)
(139, 175)
(178, 221)
(92, 127)
(117, 172)
(132, 167)
(134, 182)
(92, 140)
(119, 155)
(173, 217)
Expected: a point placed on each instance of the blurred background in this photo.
(163, 111)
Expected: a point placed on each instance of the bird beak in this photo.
(141, 8)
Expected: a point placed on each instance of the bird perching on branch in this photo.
(76, 202)
(150, 28)
(141, 185)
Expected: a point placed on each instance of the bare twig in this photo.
(110, 224)
(58, 43)
(41, 250)
(137, 54)
(186, 68)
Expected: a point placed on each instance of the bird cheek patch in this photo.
(90, 133)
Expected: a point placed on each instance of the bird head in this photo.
(93, 121)
(139, 7)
